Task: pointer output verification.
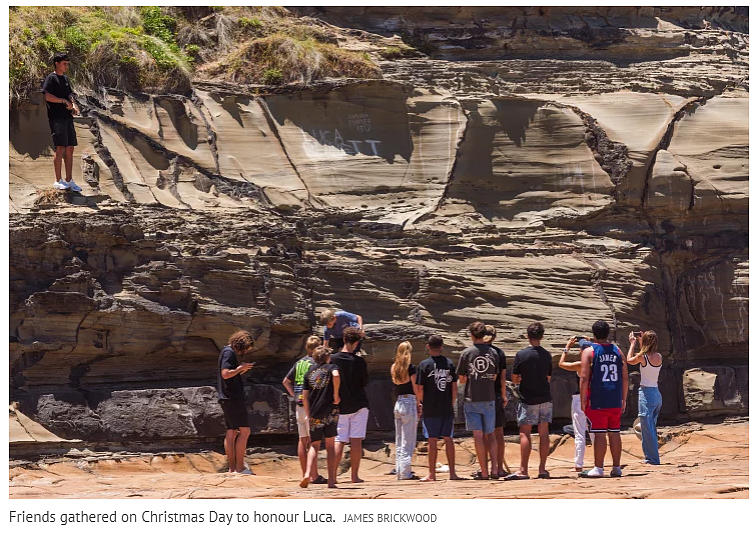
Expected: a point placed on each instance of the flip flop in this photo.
(305, 481)
(516, 477)
(479, 477)
(320, 481)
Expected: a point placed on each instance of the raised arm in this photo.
(569, 366)
(632, 358)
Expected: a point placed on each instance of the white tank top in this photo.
(649, 373)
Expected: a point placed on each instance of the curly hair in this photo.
(241, 341)
(321, 354)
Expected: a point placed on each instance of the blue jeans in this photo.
(649, 407)
(405, 423)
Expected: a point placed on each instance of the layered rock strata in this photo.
(449, 192)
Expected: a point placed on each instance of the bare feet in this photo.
(305, 481)
(357, 480)
(428, 478)
(332, 486)
(455, 477)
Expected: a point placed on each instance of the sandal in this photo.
(516, 477)
(479, 477)
(544, 475)
(494, 476)
(319, 481)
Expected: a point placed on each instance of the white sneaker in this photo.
(61, 184)
(73, 186)
(246, 472)
(593, 472)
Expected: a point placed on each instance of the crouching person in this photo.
(231, 399)
(321, 403)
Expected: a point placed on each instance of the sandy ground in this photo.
(698, 461)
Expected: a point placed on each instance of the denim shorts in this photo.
(534, 414)
(480, 416)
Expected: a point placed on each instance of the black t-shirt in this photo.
(59, 86)
(502, 376)
(354, 378)
(229, 388)
(435, 375)
(319, 382)
(406, 388)
(533, 365)
(481, 365)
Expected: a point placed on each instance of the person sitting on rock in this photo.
(293, 383)
(649, 397)
(579, 421)
(334, 322)
(232, 400)
(603, 396)
(322, 384)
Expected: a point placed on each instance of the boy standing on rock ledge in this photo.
(231, 399)
(60, 111)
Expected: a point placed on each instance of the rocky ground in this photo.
(698, 461)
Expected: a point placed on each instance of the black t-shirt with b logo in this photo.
(481, 364)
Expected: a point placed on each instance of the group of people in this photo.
(328, 386)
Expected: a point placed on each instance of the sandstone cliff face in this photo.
(535, 182)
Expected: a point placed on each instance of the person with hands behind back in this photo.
(321, 402)
(231, 399)
(649, 397)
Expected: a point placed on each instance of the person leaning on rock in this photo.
(334, 322)
(231, 399)
(60, 111)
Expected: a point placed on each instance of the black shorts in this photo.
(63, 131)
(319, 433)
(501, 415)
(235, 413)
(438, 426)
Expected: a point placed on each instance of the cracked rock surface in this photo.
(600, 172)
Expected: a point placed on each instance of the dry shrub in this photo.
(300, 61)
(49, 197)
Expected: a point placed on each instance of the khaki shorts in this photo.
(303, 424)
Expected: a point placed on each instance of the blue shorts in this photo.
(480, 416)
(438, 426)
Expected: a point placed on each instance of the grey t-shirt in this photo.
(481, 364)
